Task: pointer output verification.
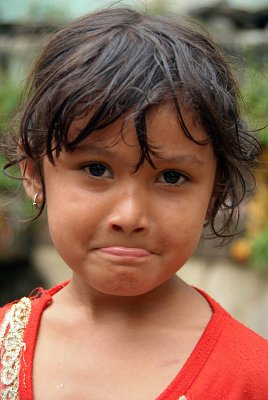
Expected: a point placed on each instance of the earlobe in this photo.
(31, 181)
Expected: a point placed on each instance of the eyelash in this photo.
(174, 173)
(96, 163)
(103, 168)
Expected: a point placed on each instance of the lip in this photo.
(133, 252)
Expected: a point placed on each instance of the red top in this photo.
(229, 361)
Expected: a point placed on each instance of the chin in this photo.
(128, 289)
(126, 292)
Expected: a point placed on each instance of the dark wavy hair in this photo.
(119, 63)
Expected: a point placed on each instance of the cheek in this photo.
(69, 224)
(74, 218)
(69, 235)
(183, 235)
(182, 226)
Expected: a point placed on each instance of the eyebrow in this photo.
(176, 158)
(183, 158)
(89, 148)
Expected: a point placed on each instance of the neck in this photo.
(174, 305)
(167, 299)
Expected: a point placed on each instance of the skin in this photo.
(124, 235)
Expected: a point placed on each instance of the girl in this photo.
(132, 138)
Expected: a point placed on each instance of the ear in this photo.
(31, 179)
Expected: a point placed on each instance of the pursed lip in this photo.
(120, 251)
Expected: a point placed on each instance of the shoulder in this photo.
(244, 344)
(19, 324)
(37, 301)
(38, 297)
(236, 339)
(237, 364)
(241, 355)
(16, 316)
(3, 311)
(26, 311)
(236, 336)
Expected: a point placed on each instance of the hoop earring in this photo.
(35, 204)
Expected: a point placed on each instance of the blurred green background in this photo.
(25, 249)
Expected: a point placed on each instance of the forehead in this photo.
(163, 129)
(164, 125)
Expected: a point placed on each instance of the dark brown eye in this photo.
(171, 177)
(98, 170)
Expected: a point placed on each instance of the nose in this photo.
(130, 213)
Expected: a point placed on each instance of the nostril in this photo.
(139, 229)
(116, 227)
(119, 228)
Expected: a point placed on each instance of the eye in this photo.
(171, 177)
(98, 170)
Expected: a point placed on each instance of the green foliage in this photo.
(259, 248)
(255, 94)
(40, 11)
(6, 183)
(8, 102)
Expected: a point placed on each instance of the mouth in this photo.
(129, 252)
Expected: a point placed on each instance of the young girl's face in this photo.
(125, 233)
